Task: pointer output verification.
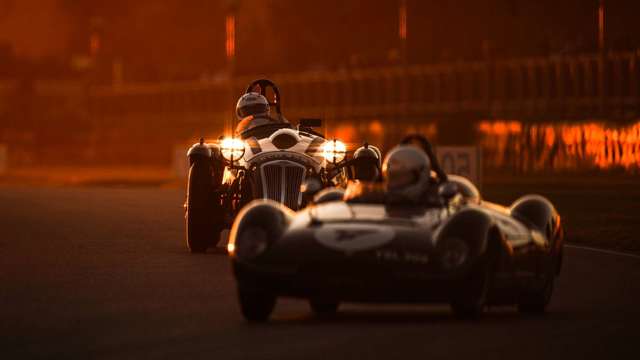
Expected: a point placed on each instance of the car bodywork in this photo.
(268, 161)
(269, 170)
(459, 250)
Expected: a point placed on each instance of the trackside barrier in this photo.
(575, 86)
(568, 86)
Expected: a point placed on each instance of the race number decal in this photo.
(461, 160)
(354, 237)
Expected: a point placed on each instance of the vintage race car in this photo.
(456, 249)
(267, 158)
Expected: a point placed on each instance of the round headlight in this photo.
(231, 148)
(455, 253)
(334, 151)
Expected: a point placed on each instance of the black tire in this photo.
(200, 218)
(471, 299)
(256, 306)
(536, 301)
(324, 308)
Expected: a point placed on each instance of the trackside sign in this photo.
(462, 160)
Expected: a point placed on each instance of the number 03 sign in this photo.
(462, 160)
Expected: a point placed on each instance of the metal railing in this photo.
(580, 86)
(158, 115)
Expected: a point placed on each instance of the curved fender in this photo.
(537, 211)
(208, 152)
(260, 218)
(470, 225)
(199, 149)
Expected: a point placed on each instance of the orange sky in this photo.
(48, 27)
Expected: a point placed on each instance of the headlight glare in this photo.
(334, 151)
(232, 149)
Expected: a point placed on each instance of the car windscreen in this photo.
(359, 192)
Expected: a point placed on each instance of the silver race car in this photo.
(421, 237)
(267, 158)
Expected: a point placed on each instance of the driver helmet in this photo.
(252, 104)
(407, 171)
(368, 170)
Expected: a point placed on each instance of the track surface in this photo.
(104, 273)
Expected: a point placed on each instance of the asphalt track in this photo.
(103, 273)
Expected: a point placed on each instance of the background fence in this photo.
(141, 123)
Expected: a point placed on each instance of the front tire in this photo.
(200, 218)
(256, 306)
(470, 301)
(536, 301)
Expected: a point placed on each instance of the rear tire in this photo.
(323, 308)
(256, 306)
(471, 300)
(200, 218)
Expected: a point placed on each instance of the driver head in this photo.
(407, 171)
(252, 104)
(369, 169)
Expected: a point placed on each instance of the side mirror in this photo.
(310, 122)
(310, 187)
(448, 190)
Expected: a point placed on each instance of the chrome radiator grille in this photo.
(281, 182)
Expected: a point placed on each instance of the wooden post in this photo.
(617, 83)
(4, 158)
(575, 86)
(602, 59)
(633, 84)
(487, 86)
(545, 84)
(532, 85)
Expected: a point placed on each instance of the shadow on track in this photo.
(414, 316)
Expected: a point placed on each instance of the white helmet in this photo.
(407, 171)
(252, 104)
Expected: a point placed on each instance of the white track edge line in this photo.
(603, 251)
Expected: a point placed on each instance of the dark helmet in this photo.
(407, 171)
(252, 104)
(369, 165)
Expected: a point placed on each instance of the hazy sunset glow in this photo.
(591, 144)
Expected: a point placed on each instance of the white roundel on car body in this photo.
(354, 237)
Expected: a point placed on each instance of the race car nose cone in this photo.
(284, 141)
